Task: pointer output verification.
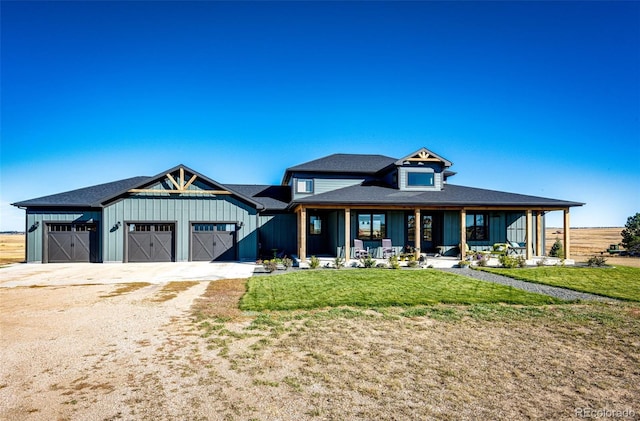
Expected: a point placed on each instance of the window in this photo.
(419, 179)
(372, 226)
(477, 226)
(304, 185)
(315, 225)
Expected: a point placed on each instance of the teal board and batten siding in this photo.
(35, 236)
(182, 211)
(278, 231)
(503, 226)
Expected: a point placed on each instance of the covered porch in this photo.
(450, 233)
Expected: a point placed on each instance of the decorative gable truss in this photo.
(423, 156)
(182, 181)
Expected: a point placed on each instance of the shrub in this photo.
(482, 260)
(338, 262)
(596, 261)
(541, 262)
(512, 262)
(393, 262)
(557, 250)
(270, 265)
(412, 263)
(464, 263)
(368, 262)
(314, 263)
(287, 263)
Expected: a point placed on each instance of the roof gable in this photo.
(423, 155)
(179, 180)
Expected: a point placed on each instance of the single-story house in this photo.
(320, 208)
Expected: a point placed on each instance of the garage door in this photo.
(151, 243)
(210, 242)
(71, 243)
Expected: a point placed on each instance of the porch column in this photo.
(529, 253)
(539, 233)
(347, 234)
(302, 234)
(418, 225)
(463, 233)
(567, 238)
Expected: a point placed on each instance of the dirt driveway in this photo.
(83, 352)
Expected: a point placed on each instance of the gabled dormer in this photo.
(422, 170)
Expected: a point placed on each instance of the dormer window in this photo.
(419, 179)
(304, 185)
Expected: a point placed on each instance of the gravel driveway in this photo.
(117, 273)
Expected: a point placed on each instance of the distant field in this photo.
(11, 248)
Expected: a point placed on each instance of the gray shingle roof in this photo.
(451, 195)
(85, 197)
(273, 198)
(346, 163)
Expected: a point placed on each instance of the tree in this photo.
(557, 250)
(631, 234)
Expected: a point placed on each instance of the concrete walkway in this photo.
(35, 274)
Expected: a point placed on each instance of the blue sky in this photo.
(540, 98)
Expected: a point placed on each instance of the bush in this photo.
(512, 262)
(412, 263)
(287, 263)
(483, 260)
(270, 265)
(338, 262)
(368, 262)
(464, 263)
(557, 250)
(596, 261)
(393, 262)
(314, 263)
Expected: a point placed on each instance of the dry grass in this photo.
(11, 248)
(220, 300)
(588, 242)
(171, 290)
(126, 289)
(447, 362)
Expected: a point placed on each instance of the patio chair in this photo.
(358, 249)
(387, 248)
(516, 248)
(500, 249)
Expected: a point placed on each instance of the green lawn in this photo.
(620, 282)
(376, 288)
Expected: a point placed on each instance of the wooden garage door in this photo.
(215, 241)
(151, 243)
(71, 243)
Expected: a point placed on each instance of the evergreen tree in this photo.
(557, 250)
(631, 234)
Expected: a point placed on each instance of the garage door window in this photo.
(214, 227)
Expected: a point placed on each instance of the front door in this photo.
(430, 231)
(318, 233)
